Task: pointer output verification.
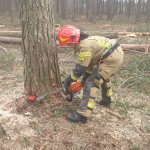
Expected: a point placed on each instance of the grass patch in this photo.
(64, 109)
(137, 74)
(25, 142)
(129, 106)
(6, 61)
(147, 127)
(147, 111)
(143, 27)
(20, 78)
(135, 147)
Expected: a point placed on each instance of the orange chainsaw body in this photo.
(75, 87)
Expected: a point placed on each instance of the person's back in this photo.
(96, 46)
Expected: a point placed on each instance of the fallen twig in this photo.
(127, 81)
(3, 48)
(2, 26)
(129, 85)
(132, 123)
(115, 114)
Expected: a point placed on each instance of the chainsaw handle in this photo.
(69, 97)
(66, 96)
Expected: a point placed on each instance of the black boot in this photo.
(106, 101)
(76, 118)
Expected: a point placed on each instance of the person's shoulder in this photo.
(86, 43)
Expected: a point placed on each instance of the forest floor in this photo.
(42, 126)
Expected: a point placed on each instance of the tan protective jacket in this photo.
(91, 51)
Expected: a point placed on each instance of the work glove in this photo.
(68, 80)
(85, 76)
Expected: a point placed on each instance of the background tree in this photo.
(41, 71)
(89, 9)
(148, 11)
(129, 4)
(100, 7)
(138, 10)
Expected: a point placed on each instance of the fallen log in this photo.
(1, 26)
(119, 34)
(19, 33)
(10, 40)
(106, 34)
(111, 35)
(138, 47)
(11, 33)
(135, 33)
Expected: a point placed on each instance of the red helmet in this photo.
(68, 34)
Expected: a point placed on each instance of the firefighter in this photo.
(99, 59)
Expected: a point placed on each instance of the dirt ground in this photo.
(42, 126)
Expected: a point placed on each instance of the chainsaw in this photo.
(73, 88)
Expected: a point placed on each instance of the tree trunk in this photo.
(90, 10)
(110, 10)
(41, 72)
(120, 7)
(128, 8)
(148, 11)
(63, 9)
(12, 12)
(138, 11)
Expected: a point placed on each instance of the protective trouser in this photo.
(90, 93)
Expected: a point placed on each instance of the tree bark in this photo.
(41, 71)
